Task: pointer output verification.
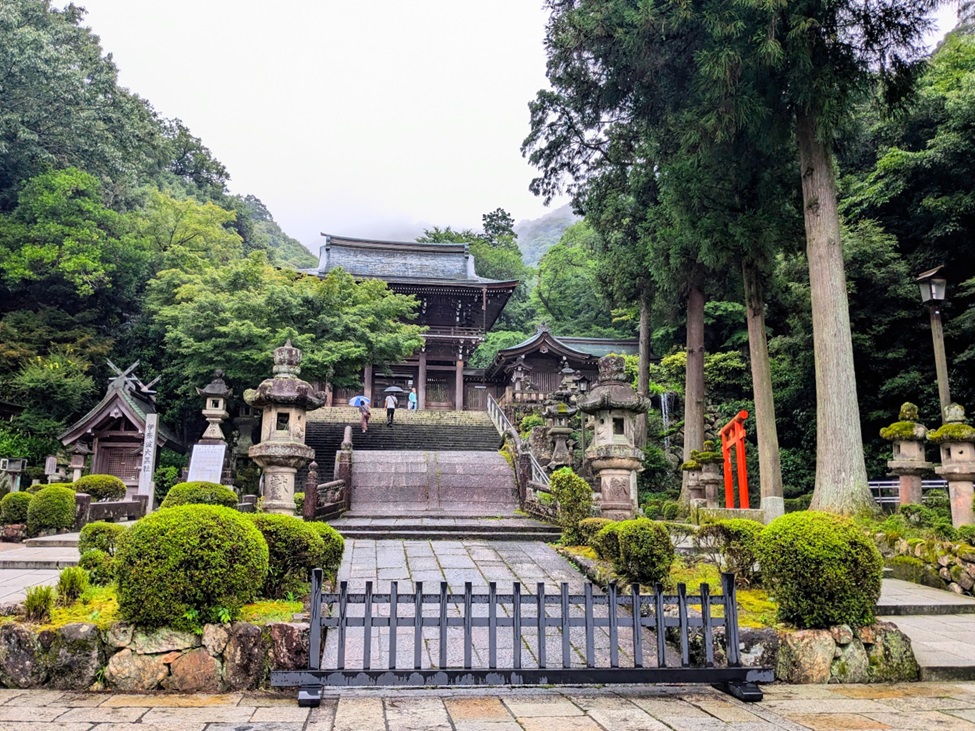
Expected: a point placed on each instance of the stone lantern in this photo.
(908, 462)
(282, 451)
(79, 454)
(615, 407)
(957, 442)
(559, 411)
(215, 412)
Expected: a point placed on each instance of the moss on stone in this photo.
(908, 412)
(903, 430)
(706, 457)
(952, 433)
(691, 465)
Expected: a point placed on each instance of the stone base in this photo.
(711, 515)
(279, 490)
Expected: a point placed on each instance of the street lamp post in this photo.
(933, 286)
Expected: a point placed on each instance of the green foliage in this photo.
(164, 478)
(952, 433)
(200, 493)
(101, 535)
(39, 603)
(101, 487)
(529, 422)
(295, 548)
(646, 551)
(52, 508)
(575, 503)
(821, 569)
(331, 557)
(589, 527)
(731, 546)
(72, 583)
(671, 510)
(13, 507)
(53, 386)
(798, 504)
(299, 503)
(494, 341)
(606, 541)
(182, 566)
(966, 533)
(99, 565)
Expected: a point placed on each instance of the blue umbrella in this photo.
(358, 401)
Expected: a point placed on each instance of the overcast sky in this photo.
(370, 118)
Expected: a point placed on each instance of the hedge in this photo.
(99, 565)
(331, 557)
(101, 487)
(200, 493)
(646, 551)
(101, 535)
(52, 508)
(575, 503)
(13, 507)
(294, 549)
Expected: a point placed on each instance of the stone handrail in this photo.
(502, 423)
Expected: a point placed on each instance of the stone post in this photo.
(908, 463)
(282, 451)
(613, 454)
(311, 492)
(957, 442)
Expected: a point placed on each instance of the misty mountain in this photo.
(538, 235)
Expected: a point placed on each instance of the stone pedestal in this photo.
(710, 479)
(908, 465)
(617, 467)
(957, 442)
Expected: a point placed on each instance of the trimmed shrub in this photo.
(797, 504)
(821, 569)
(653, 509)
(34, 489)
(590, 527)
(101, 535)
(331, 557)
(13, 507)
(39, 603)
(299, 504)
(606, 542)
(185, 566)
(646, 552)
(731, 545)
(670, 510)
(99, 565)
(72, 583)
(200, 493)
(575, 503)
(101, 487)
(53, 508)
(965, 532)
(294, 549)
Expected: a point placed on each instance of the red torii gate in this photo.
(733, 435)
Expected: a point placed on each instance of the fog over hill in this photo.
(538, 235)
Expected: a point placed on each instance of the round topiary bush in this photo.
(188, 565)
(606, 542)
(52, 508)
(200, 493)
(575, 503)
(101, 487)
(822, 570)
(294, 549)
(331, 557)
(646, 551)
(590, 527)
(99, 565)
(34, 489)
(13, 507)
(101, 535)
(731, 545)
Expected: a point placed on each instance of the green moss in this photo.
(270, 611)
(908, 412)
(706, 457)
(952, 433)
(98, 605)
(901, 430)
(691, 465)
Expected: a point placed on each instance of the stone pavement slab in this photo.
(944, 645)
(14, 583)
(902, 706)
(899, 598)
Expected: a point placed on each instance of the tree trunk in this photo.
(841, 475)
(643, 376)
(769, 465)
(693, 381)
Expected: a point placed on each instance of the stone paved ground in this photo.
(928, 706)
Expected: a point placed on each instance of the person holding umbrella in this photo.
(391, 404)
(362, 403)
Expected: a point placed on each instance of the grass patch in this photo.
(97, 605)
(583, 551)
(263, 612)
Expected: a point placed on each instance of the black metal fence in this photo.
(529, 627)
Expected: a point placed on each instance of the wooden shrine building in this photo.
(455, 304)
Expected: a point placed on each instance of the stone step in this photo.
(350, 415)
(39, 558)
(423, 534)
(425, 525)
(900, 598)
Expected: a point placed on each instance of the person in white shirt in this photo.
(391, 404)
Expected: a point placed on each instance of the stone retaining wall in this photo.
(79, 656)
(938, 564)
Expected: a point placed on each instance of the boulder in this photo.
(75, 657)
(842, 634)
(891, 657)
(21, 657)
(119, 635)
(195, 672)
(129, 671)
(243, 666)
(287, 645)
(162, 640)
(215, 637)
(852, 665)
(805, 656)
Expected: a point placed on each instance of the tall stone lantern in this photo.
(908, 463)
(215, 412)
(282, 451)
(615, 407)
(957, 442)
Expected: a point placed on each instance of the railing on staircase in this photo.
(502, 423)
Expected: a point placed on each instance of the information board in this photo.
(206, 462)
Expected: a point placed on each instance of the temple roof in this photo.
(121, 400)
(581, 351)
(405, 262)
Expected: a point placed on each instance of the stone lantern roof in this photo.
(217, 388)
(285, 388)
(613, 390)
